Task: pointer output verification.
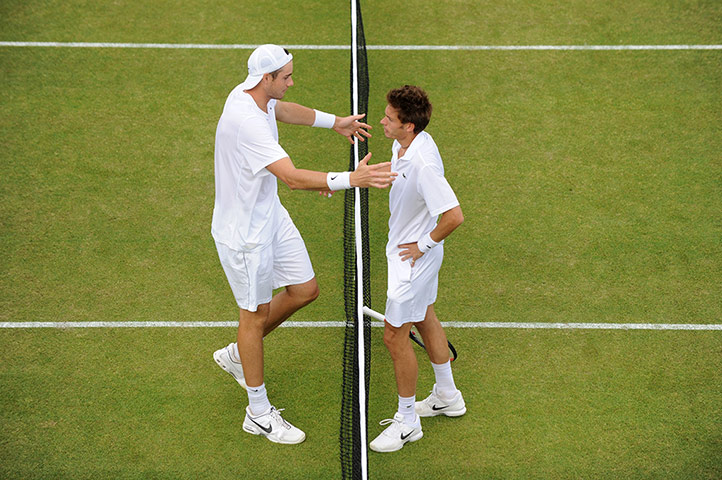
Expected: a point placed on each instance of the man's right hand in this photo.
(377, 176)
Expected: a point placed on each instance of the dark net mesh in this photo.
(350, 435)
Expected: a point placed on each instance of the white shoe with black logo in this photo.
(272, 426)
(397, 434)
(434, 405)
(225, 359)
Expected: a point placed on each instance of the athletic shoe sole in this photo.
(218, 357)
(448, 413)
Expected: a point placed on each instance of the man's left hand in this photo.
(351, 127)
(410, 251)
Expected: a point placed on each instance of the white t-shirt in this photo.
(247, 205)
(419, 194)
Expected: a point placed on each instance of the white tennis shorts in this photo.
(412, 289)
(254, 274)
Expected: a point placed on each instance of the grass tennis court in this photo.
(591, 183)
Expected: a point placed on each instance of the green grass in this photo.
(149, 403)
(591, 185)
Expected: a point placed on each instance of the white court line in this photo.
(292, 324)
(368, 47)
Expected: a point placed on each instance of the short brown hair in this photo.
(413, 105)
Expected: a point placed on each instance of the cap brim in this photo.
(251, 81)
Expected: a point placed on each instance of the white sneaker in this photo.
(433, 405)
(396, 434)
(272, 426)
(224, 359)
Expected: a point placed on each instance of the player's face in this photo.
(393, 128)
(282, 82)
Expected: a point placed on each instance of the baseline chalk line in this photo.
(242, 46)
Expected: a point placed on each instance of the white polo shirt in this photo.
(419, 194)
(247, 206)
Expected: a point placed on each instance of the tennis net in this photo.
(357, 283)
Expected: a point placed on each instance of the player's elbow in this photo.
(460, 219)
(291, 182)
(457, 216)
(292, 185)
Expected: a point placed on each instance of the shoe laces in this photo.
(395, 425)
(276, 415)
(388, 420)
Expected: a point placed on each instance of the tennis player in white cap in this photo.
(259, 247)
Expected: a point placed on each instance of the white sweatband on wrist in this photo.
(324, 120)
(338, 180)
(426, 243)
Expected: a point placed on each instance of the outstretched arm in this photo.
(349, 127)
(295, 114)
(365, 175)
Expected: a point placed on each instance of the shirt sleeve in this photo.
(436, 191)
(257, 144)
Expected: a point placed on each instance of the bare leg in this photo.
(250, 343)
(286, 302)
(253, 326)
(434, 337)
(402, 353)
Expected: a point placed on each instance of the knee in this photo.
(395, 340)
(307, 293)
(312, 293)
(253, 321)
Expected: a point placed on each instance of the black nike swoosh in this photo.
(404, 437)
(334, 177)
(267, 429)
(439, 408)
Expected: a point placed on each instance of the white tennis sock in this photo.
(258, 399)
(406, 408)
(236, 355)
(445, 386)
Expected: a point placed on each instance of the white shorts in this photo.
(254, 274)
(412, 289)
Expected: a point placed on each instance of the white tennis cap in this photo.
(265, 59)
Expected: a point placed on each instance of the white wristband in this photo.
(338, 180)
(324, 120)
(426, 243)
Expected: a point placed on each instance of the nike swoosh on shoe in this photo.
(267, 429)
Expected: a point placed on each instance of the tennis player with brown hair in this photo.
(415, 250)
